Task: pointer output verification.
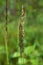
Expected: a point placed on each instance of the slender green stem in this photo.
(6, 40)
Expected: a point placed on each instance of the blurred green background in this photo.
(33, 32)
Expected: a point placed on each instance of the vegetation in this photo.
(33, 32)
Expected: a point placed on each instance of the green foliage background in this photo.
(33, 32)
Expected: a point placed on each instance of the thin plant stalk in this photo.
(6, 34)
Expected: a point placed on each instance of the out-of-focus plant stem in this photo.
(6, 34)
